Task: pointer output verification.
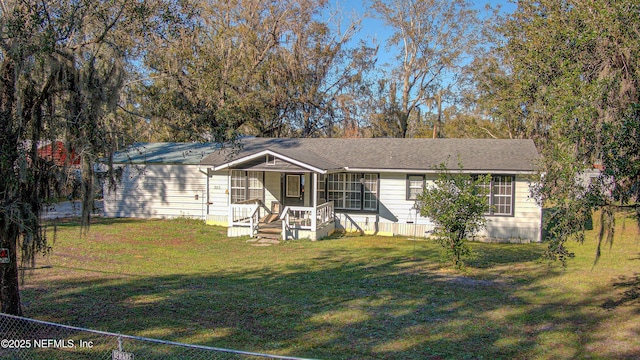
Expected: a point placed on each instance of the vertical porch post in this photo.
(208, 191)
(230, 221)
(314, 196)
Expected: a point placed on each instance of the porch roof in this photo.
(384, 154)
(308, 161)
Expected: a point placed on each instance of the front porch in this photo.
(277, 205)
(253, 219)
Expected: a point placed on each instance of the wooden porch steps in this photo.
(269, 233)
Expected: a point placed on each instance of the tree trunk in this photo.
(9, 286)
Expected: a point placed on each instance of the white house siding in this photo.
(271, 188)
(219, 195)
(158, 191)
(396, 216)
(218, 209)
(524, 225)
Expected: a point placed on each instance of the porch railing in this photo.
(306, 218)
(325, 214)
(246, 213)
(298, 217)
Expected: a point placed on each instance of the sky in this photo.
(374, 30)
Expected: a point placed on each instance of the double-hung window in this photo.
(255, 189)
(352, 191)
(500, 194)
(370, 192)
(246, 185)
(502, 187)
(415, 186)
(321, 189)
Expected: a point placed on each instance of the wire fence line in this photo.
(25, 338)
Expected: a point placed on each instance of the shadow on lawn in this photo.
(629, 292)
(331, 307)
(74, 222)
(486, 255)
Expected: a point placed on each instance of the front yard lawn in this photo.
(348, 298)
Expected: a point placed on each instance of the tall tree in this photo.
(269, 68)
(572, 78)
(432, 37)
(62, 66)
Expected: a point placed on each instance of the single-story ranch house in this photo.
(308, 188)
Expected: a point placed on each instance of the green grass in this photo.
(348, 298)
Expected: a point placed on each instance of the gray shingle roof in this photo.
(164, 153)
(391, 154)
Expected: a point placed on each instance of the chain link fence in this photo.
(24, 338)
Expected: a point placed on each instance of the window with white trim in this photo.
(415, 186)
(500, 194)
(238, 186)
(321, 189)
(370, 192)
(351, 191)
(335, 190)
(270, 160)
(255, 188)
(246, 185)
